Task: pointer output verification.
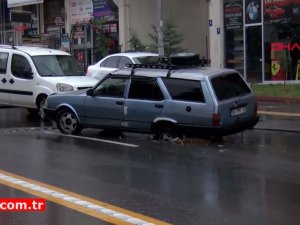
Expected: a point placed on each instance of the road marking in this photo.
(88, 206)
(95, 139)
(279, 113)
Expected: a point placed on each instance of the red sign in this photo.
(279, 46)
(21, 27)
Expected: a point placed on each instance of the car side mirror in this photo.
(89, 92)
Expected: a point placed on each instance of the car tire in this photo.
(165, 133)
(41, 105)
(67, 122)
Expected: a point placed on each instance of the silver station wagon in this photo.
(164, 100)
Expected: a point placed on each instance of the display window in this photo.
(282, 39)
(234, 40)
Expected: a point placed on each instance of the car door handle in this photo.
(119, 102)
(159, 106)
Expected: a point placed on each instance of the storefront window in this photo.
(234, 40)
(282, 40)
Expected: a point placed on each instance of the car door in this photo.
(105, 108)
(145, 102)
(4, 78)
(21, 83)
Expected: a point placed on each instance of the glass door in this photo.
(254, 54)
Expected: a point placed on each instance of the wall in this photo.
(190, 17)
(216, 40)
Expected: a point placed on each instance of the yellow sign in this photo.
(298, 70)
(275, 67)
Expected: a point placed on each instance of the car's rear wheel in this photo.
(165, 133)
(67, 122)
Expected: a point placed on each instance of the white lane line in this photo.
(76, 201)
(95, 139)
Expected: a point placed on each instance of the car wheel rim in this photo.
(68, 122)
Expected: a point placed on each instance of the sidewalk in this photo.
(278, 113)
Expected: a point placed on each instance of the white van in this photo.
(29, 74)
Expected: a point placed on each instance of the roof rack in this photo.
(177, 61)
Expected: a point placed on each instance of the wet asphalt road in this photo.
(249, 179)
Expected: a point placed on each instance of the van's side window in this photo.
(3, 62)
(20, 66)
(186, 90)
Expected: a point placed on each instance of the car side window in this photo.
(146, 89)
(111, 87)
(186, 90)
(111, 62)
(20, 66)
(3, 62)
(123, 61)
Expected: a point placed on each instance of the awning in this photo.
(15, 3)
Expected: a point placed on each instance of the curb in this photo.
(284, 114)
(292, 100)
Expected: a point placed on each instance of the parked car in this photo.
(167, 101)
(30, 74)
(118, 61)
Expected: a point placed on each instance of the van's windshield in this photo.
(57, 65)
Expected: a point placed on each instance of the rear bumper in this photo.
(196, 131)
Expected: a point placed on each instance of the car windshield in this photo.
(57, 65)
(146, 59)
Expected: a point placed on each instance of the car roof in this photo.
(191, 73)
(35, 50)
(134, 54)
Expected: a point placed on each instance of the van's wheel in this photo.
(41, 105)
(165, 133)
(67, 122)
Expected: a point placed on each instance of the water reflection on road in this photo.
(252, 178)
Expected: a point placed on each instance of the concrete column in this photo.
(124, 24)
(216, 33)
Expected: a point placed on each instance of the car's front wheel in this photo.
(41, 106)
(67, 122)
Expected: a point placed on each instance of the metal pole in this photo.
(160, 42)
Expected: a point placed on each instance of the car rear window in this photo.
(185, 90)
(229, 86)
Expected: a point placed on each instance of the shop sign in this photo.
(279, 46)
(80, 11)
(282, 11)
(253, 11)
(104, 8)
(20, 16)
(21, 27)
(233, 15)
(31, 40)
(59, 21)
(15, 3)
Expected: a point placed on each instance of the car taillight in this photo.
(216, 120)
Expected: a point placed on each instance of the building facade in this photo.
(259, 38)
